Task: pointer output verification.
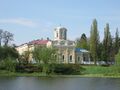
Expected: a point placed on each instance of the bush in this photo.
(67, 69)
(6, 52)
(8, 64)
(28, 68)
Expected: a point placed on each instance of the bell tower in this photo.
(60, 33)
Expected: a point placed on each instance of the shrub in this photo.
(67, 69)
(28, 68)
(8, 64)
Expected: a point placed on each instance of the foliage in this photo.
(24, 58)
(6, 52)
(100, 53)
(1, 36)
(28, 68)
(117, 59)
(45, 56)
(117, 42)
(8, 64)
(82, 42)
(8, 56)
(67, 69)
(94, 40)
(107, 44)
(7, 37)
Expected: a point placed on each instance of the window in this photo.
(63, 58)
(62, 43)
(57, 34)
(55, 56)
(70, 58)
(78, 59)
(65, 35)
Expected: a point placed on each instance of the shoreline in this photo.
(58, 76)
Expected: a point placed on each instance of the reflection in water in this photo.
(35, 83)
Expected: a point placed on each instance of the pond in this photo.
(40, 83)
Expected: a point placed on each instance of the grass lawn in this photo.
(8, 73)
(90, 71)
(101, 71)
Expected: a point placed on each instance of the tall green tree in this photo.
(100, 53)
(94, 41)
(82, 42)
(117, 42)
(107, 43)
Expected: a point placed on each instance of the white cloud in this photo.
(20, 21)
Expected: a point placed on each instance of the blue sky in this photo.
(34, 19)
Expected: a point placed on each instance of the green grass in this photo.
(8, 73)
(90, 71)
(101, 71)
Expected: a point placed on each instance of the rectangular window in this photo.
(57, 34)
(78, 59)
(70, 58)
(63, 58)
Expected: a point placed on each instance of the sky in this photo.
(35, 19)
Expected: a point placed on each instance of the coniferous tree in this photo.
(82, 42)
(94, 41)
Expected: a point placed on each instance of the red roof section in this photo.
(39, 42)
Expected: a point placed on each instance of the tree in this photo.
(82, 43)
(24, 58)
(100, 53)
(7, 37)
(1, 36)
(44, 56)
(78, 42)
(107, 43)
(117, 58)
(117, 41)
(6, 52)
(94, 41)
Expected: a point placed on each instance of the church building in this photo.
(67, 51)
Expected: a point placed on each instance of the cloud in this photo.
(20, 21)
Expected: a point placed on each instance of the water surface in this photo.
(39, 83)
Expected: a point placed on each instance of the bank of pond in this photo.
(56, 70)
